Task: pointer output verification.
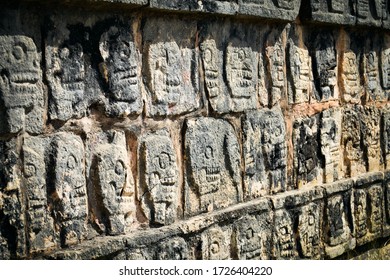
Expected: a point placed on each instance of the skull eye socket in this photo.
(209, 152)
(119, 167)
(19, 53)
(249, 233)
(72, 162)
(208, 56)
(214, 247)
(30, 170)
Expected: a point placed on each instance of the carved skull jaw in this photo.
(212, 81)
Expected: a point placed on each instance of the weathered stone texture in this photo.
(213, 162)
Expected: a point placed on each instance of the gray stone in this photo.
(212, 154)
(301, 77)
(115, 184)
(21, 84)
(307, 160)
(65, 73)
(40, 224)
(370, 12)
(285, 246)
(158, 175)
(170, 67)
(279, 9)
(68, 193)
(172, 249)
(350, 86)
(324, 65)
(252, 236)
(329, 11)
(384, 64)
(386, 137)
(353, 163)
(330, 130)
(275, 65)
(371, 137)
(309, 231)
(265, 152)
(216, 243)
(122, 63)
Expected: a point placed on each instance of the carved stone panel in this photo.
(265, 152)
(65, 73)
(212, 155)
(350, 85)
(339, 236)
(309, 231)
(307, 161)
(301, 78)
(325, 66)
(385, 70)
(170, 67)
(375, 206)
(372, 79)
(21, 85)
(386, 214)
(253, 236)
(385, 134)
(285, 246)
(330, 11)
(216, 243)
(114, 189)
(158, 189)
(354, 163)
(360, 214)
(275, 61)
(371, 137)
(212, 64)
(121, 61)
(330, 131)
(174, 248)
(279, 9)
(68, 193)
(370, 12)
(40, 224)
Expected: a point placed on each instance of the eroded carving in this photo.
(385, 70)
(21, 84)
(276, 62)
(306, 150)
(370, 126)
(372, 83)
(121, 59)
(309, 231)
(360, 213)
(211, 64)
(265, 152)
(159, 178)
(115, 188)
(215, 244)
(66, 77)
(69, 191)
(350, 85)
(301, 76)
(375, 198)
(173, 249)
(213, 164)
(284, 241)
(330, 143)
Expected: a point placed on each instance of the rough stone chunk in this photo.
(68, 193)
(339, 236)
(354, 163)
(350, 85)
(170, 67)
(173, 249)
(158, 189)
(253, 236)
(307, 161)
(40, 224)
(324, 66)
(216, 243)
(21, 88)
(265, 152)
(113, 199)
(65, 72)
(122, 63)
(213, 177)
(329, 11)
(330, 143)
(301, 80)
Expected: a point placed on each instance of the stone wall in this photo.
(153, 129)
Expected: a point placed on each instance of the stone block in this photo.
(21, 87)
(170, 66)
(338, 231)
(213, 166)
(386, 211)
(158, 175)
(265, 152)
(280, 9)
(371, 133)
(350, 86)
(216, 243)
(174, 248)
(370, 12)
(330, 138)
(306, 154)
